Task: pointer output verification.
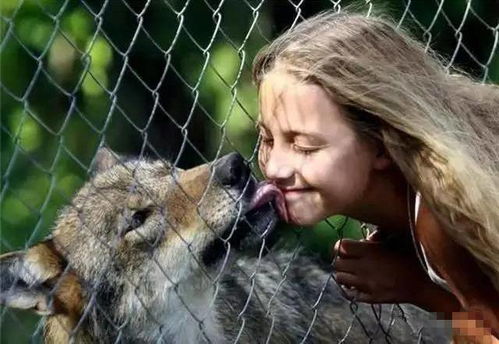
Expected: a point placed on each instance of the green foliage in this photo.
(321, 238)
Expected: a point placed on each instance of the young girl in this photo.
(356, 119)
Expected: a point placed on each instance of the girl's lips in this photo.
(294, 190)
(267, 192)
(294, 194)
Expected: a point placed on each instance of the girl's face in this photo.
(310, 151)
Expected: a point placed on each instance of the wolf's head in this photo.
(134, 232)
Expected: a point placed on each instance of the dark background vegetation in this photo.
(162, 78)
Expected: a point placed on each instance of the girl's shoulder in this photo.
(454, 263)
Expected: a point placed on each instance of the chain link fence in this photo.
(170, 80)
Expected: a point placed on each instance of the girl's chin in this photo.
(304, 208)
(297, 220)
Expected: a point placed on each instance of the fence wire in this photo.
(169, 81)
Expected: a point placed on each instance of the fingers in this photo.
(347, 279)
(345, 264)
(350, 248)
(354, 294)
(354, 289)
(355, 266)
(350, 285)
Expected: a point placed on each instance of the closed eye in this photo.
(305, 150)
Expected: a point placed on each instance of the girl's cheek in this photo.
(317, 172)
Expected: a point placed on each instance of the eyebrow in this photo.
(292, 133)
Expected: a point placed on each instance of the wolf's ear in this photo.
(23, 277)
(104, 160)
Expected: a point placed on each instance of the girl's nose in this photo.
(277, 167)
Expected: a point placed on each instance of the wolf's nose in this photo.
(232, 171)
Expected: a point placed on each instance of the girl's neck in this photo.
(385, 203)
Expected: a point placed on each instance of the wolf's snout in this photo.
(232, 171)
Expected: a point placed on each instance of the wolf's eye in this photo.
(138, 218)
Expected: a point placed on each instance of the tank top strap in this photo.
(420, 251)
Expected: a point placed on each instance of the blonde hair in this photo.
(439, 126)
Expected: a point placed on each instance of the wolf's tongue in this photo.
(267, 192)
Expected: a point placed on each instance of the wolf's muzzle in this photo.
(258, 219)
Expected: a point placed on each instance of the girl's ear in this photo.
(382, 160)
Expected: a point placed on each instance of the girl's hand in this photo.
(373, 272)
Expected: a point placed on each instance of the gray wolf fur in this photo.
(149, 253)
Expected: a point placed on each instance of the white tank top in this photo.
(421, 252)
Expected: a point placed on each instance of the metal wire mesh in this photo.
(170, 80)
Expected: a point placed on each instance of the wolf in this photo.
(150, 253)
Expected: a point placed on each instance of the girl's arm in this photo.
(471, 286)
(380, 273)
(375, 273)
(433, 298)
